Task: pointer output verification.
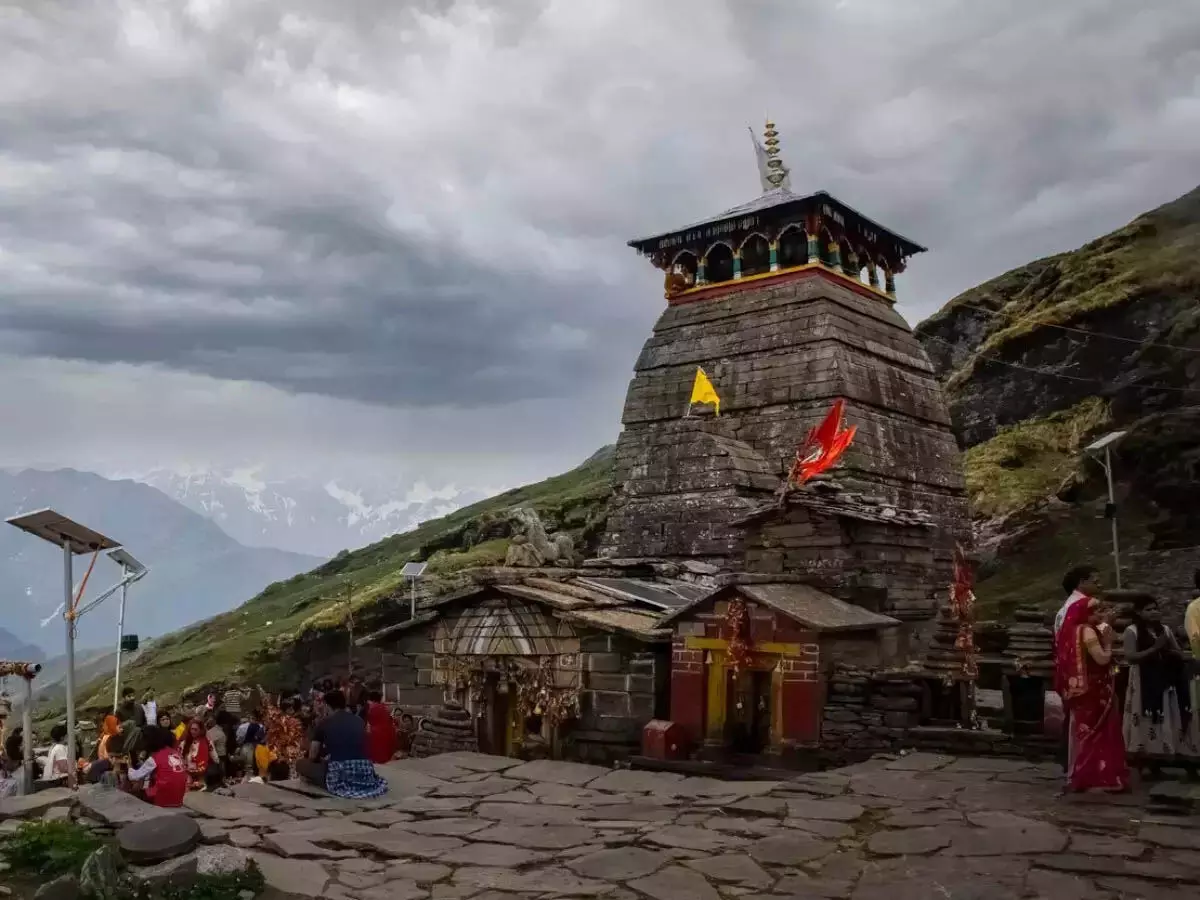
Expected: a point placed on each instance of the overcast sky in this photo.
(390, 236)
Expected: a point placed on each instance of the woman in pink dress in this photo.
(1084, 679)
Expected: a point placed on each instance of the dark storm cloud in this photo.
(425, 204)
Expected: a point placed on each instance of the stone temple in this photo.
(787, 303)
(729, 612)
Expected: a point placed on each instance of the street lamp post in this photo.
(131, 571)
(413, 571)
(75, 540)
(1104, 445)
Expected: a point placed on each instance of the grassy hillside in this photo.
(221, 647)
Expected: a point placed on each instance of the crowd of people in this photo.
(332, 737)
(1145, 712)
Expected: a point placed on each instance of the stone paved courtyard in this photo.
(464, 825)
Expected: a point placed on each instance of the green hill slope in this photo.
(1043, 359)
(233, 644)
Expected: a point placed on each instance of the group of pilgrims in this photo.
(1145, 713)
(332, 737)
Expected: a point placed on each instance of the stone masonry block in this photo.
(601, 662)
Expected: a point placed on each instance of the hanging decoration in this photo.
(20, 669)
(538, 693)
(962, 607)
(823, 447)
(736, 627)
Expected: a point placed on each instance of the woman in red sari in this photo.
(196, 753)
(1084, 679)
(381, 730)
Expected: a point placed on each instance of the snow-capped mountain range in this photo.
(306, 515)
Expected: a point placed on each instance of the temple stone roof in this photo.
(608, 600)
(804, 604)
(778, 355)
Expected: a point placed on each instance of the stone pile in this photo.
(1030, 644)
(943, 657)
(449, 729)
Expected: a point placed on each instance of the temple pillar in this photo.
(873, 275)
(852, 267)
(774, 248)
(716, 703)
(700, 279)
(737, 263)
(835, 256)
(814, 248)
(889, 283)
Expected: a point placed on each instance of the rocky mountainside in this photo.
(1046, 358)
(196, 569)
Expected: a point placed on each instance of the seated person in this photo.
(58, 760)
(337, 755)
(164, 772)
(11, 778)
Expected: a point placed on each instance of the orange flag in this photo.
(823, 447)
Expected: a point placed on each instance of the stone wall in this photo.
(778, 354)
(870, 712)
(624, 683)
(896, 570)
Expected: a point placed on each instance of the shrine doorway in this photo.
(495, 726)
(748, 713)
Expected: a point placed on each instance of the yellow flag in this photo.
(703, 392)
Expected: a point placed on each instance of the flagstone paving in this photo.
(463, 826)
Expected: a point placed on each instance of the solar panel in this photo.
(413, 569)
(656, 594)
(56, 528)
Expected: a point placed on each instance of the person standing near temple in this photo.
(1080, 583)
(1083, 677)
(1191, 624)
(1158, 699)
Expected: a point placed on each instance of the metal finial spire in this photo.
(777, 172)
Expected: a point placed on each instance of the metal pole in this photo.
(412, 604)
(27, 729)
(69, 615)
(1112, 504)
(120, 638)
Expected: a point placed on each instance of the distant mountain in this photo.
(197, 570)
(14, 649)
(309, 516)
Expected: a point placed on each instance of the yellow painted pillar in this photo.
(717, 703)
(776, 708)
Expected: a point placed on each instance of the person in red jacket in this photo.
(197, 753)
(163, 771)
(381, 730)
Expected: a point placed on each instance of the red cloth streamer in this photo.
(823, 447)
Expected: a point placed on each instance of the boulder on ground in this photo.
(158, 840)
(65, 887)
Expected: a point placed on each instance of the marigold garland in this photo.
(737, 634)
